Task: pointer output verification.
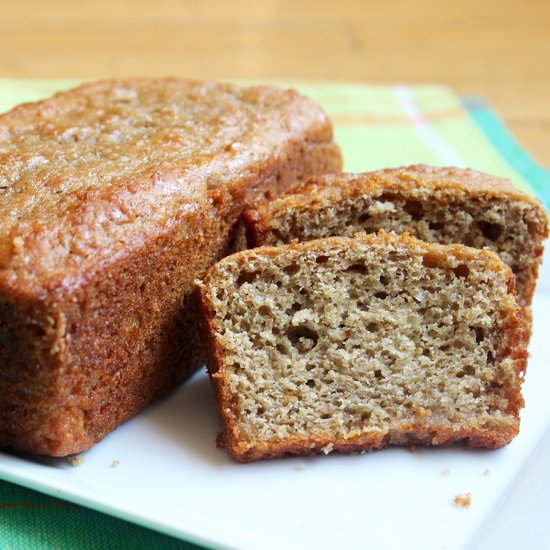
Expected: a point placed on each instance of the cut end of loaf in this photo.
(435, 204)
(355, 344)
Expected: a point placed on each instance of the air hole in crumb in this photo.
(414, 209)
(310, 383)
(321, 259)
(291, 269)
(384, 280)
(461, 270)
(325, 416)
(141, 288)
(302, 338)
(388, 197)
(373, 327)
(264, 310)
(480, 335)
(363, 218)
(435, 226)
(246, 277)
(444, 347)
(281, 349)
(467, 370)
(381, 295)
(353, 293)
(293, 308)
(490, 358)
(491, 231)
(378, 374)
(310, 367)
(357, 268)
(365, 416)
(276, 330)
(260, 410)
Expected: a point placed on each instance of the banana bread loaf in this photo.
(445, 205)
(354, 344)
(113, 198)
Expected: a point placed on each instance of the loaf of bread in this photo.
(353, 344)
(113, 198)
(445, 205)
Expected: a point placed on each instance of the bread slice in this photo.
(353, 344)
(113, 198)
(445, 205)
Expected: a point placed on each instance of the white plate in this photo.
(172, 478)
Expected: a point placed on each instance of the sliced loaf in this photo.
(353, 344)
(445, 205)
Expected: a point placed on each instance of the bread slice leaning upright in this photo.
(353, 344)
(445, 205)
(114, 196)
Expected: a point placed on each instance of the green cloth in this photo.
(377, 126)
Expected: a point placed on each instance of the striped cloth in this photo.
(377, 126)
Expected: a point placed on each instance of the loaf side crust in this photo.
(96, 310)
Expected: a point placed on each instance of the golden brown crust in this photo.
(472, 434)
(446, 180)
(411, 435)
(96, 309)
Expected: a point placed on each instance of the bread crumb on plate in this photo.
(76, 460)
(463, 500)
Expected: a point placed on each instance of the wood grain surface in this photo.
(497, 49)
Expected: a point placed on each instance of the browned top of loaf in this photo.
(91, 171)
(443, 182)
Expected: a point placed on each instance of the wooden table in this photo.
(497, 49)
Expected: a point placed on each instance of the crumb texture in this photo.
(443, 205)
(363, 340)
